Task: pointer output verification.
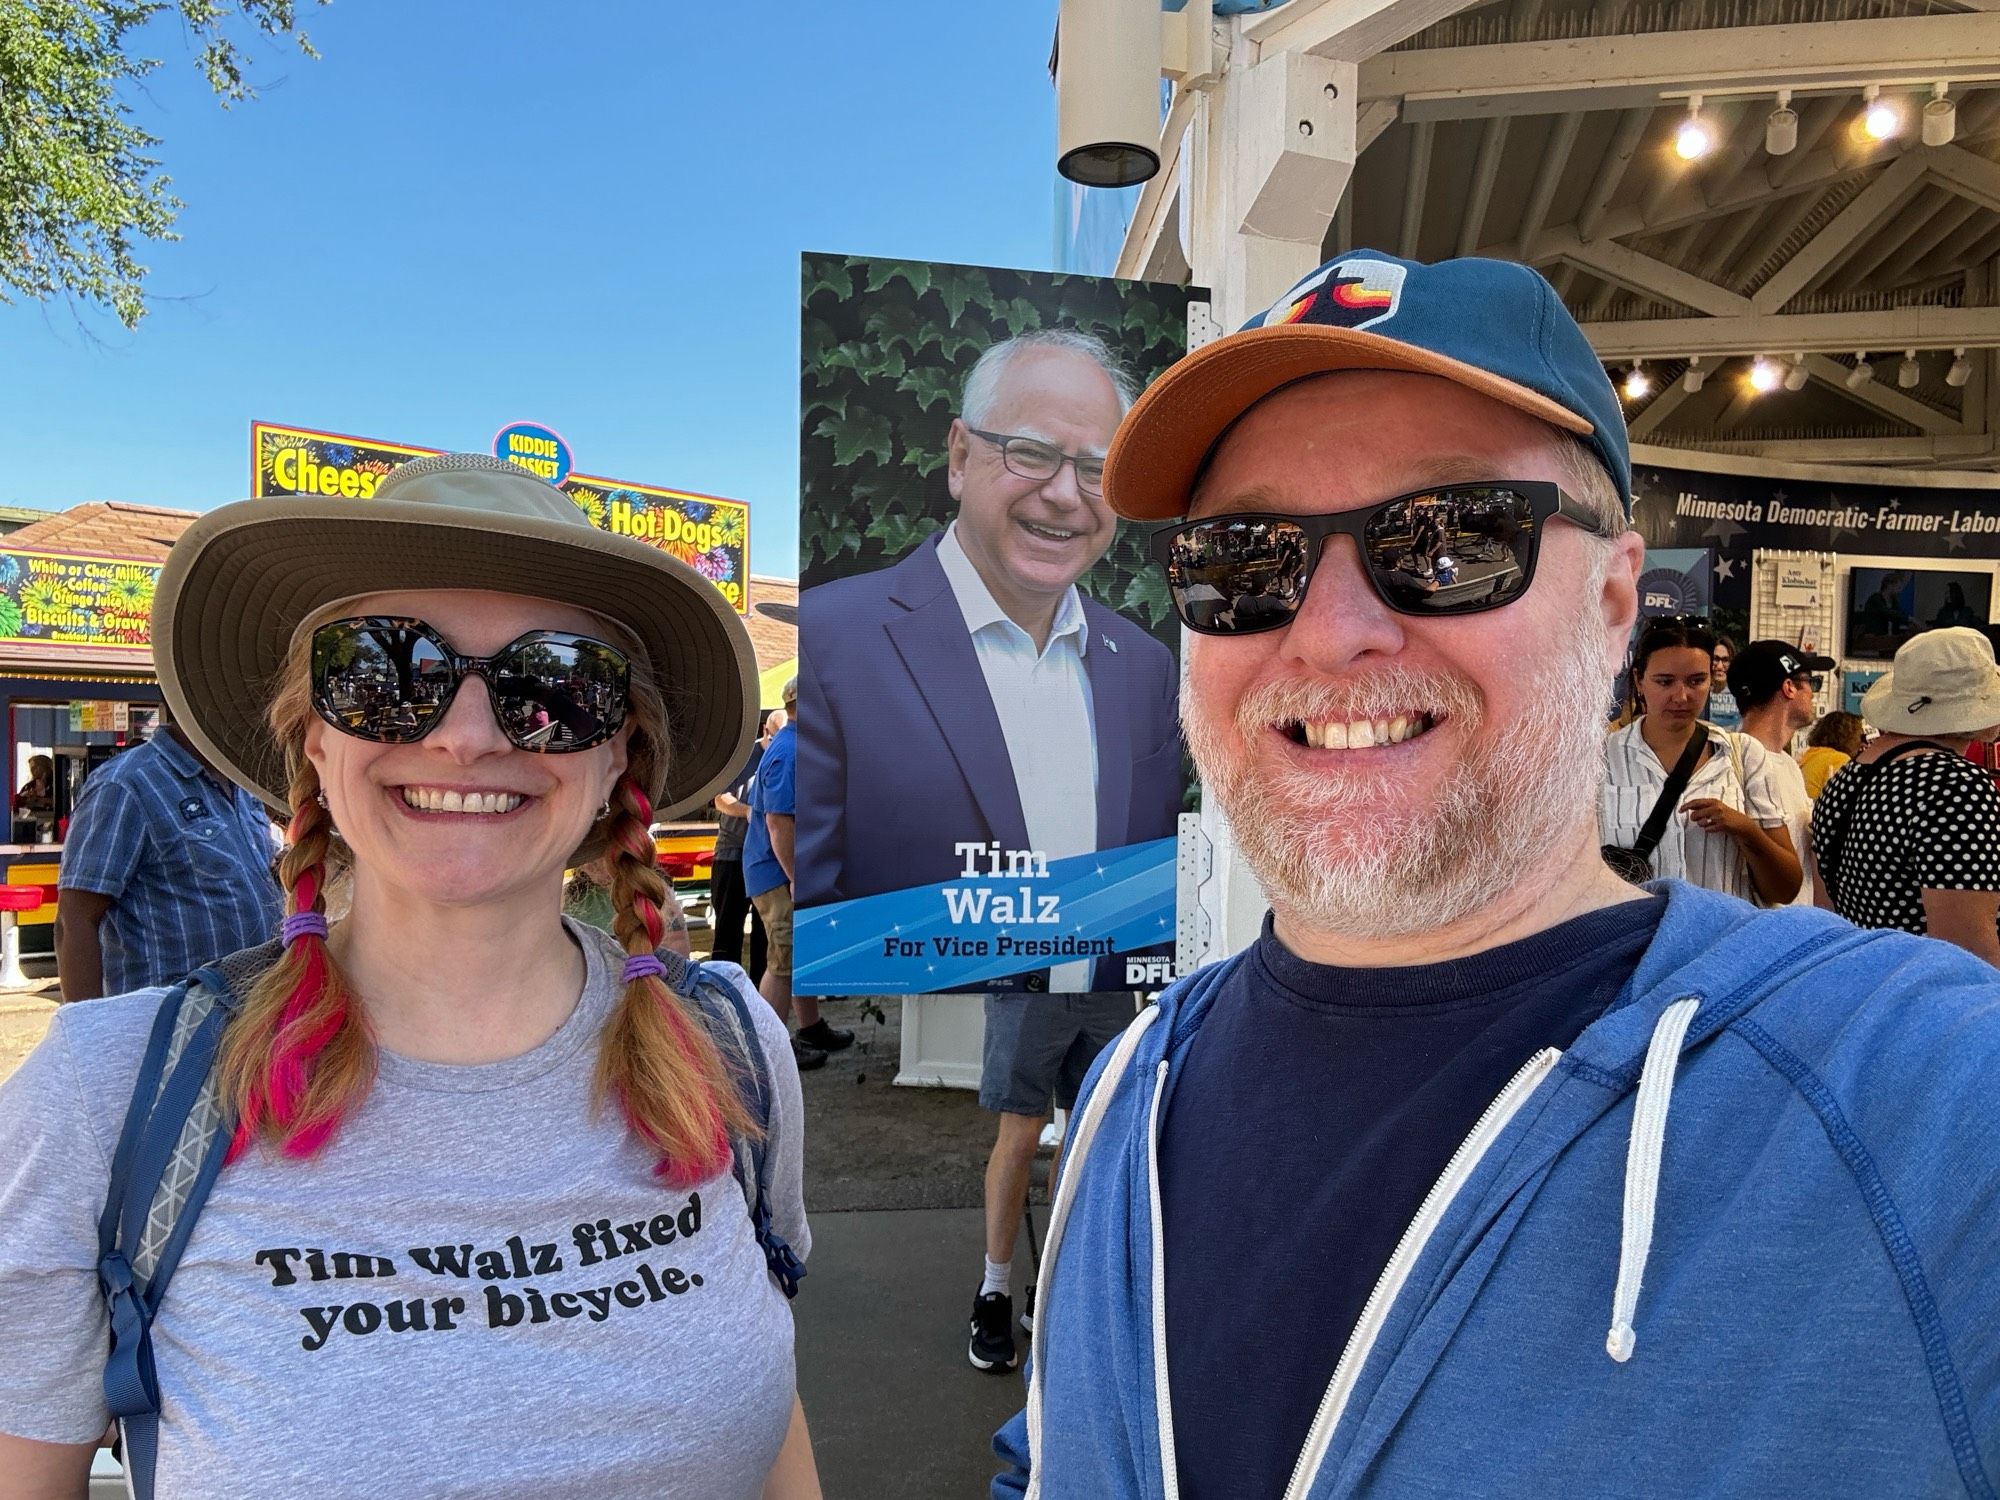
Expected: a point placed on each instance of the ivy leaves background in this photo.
(885, 348)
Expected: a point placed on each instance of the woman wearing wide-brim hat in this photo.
(476, 1230)
(1907, 834)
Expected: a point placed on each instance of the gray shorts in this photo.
(1038, 1047)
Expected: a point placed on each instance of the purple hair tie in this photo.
(302, 924)
(644, 966)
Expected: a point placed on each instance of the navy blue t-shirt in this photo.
(1312, 1113)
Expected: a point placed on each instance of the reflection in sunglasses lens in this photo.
(558, 695)
(389, 680)
(1238, 575)
(381, 682)
(1457, 550)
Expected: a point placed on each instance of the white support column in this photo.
(1273, 143)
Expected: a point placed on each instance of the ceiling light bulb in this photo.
(1694, 139)
(1781, 130)
(1696, 376)
(1908, 373)
(1879, 119)
(1637, 383)
(1765, 375)
(1960, 371)
(1862, 373)
(1795, 373)
(1940, 117)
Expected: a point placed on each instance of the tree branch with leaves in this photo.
(80, 191)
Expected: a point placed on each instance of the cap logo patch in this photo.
(1354, 293)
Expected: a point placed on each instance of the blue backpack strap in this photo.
(169, 1150)
(729, 1022)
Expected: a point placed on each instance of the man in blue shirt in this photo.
(166, 865)
(1481, 1172)
(768, 870)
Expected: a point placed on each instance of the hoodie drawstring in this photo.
(1642, 1169)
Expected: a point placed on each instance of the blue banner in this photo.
(960, 933)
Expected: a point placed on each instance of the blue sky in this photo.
(464, 216)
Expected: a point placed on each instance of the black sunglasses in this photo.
(1454, 550)
(391, 680)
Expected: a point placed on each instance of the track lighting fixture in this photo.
(1696, 137)
(1940, 116)
(1781, 130)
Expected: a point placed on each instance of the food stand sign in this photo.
(74, 599)
(94, 718)
(709, 534)
(535, 448)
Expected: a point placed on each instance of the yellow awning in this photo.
(771, 683)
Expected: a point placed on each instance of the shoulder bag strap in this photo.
(726, 1015)
(1829, 855)
(169, 1151)
(1670, 794)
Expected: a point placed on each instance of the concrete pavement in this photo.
(897, 1412)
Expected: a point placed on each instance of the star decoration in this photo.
(1724, 568)
(1957, 542)
(1723, 531)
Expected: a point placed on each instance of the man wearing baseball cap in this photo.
(1483, 1172)
(1773, 684)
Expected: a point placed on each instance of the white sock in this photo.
(999, 1278)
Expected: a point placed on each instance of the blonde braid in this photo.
(298, 1058)
(655, 1059)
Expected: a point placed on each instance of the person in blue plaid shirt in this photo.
(166, 865)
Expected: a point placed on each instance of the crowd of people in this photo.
(1737, 811)
(1545, 1141)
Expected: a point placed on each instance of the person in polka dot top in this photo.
(1908, 834)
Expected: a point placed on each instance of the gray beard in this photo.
(1328, 855)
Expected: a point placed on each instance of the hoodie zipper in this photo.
(1361, 1343)
(1170, 1479)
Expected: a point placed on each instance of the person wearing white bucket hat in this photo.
(1908, 834)
(459, 1209)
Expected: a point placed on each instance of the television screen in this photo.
(1886, 606)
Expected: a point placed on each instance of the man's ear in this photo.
(958, 449)
(1618, 599)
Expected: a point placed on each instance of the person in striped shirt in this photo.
(1729, 831)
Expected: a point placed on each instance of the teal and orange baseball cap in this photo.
(1493, 326)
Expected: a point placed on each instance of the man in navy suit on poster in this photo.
(971, 692)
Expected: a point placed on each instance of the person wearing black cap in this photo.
(1774, 684)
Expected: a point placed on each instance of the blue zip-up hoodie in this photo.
(1742, 1239)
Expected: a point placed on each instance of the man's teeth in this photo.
(430, 799)
(1363, 734)
(1052, 533)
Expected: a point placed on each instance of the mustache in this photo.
(1373, 694)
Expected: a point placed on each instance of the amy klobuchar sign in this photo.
(1739, 514)
(989, 766)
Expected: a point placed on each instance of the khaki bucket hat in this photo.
(240, 581)
(1942, 682)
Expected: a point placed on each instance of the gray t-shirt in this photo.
(477, 1289)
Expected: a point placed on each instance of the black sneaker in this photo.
(807, 1056)
(992, 1346)
(1028, 1317)
(825, 1037)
